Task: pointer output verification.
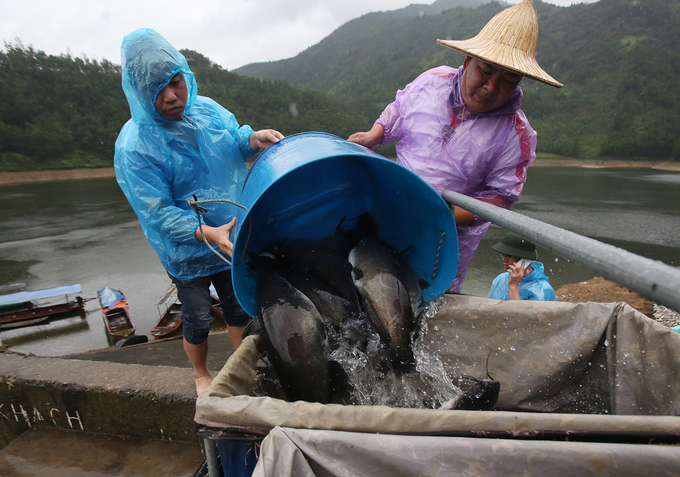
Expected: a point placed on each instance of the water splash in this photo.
(374, 381)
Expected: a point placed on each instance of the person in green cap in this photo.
(524, 277)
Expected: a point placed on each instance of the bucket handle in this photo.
(198, 208)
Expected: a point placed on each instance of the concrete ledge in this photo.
(156, 402)
(65, 453)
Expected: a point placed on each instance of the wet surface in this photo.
(63, 453)
(84, 231)
(633, 209)
(169, 352)
(76, 231)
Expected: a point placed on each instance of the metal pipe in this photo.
(649, 278)
(211, 458)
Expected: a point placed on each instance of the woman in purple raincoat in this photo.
(462, 129)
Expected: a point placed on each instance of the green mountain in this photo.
(368, 58)
(274, 103)
(60, 112)
(618, 59)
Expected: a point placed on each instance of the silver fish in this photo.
(412, 283)
(295, 339)
(326, 260)
(386, 300)
(334, 309)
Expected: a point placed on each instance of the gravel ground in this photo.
(605, 291)
(666, 316)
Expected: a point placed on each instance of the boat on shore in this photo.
(27, 308)
(115, 313)
(170, 310)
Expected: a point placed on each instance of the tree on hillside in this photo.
(60, 112)
(618, 59)
(57, 111)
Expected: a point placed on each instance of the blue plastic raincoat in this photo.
(534, 286)
(482, 155)
(160, 163)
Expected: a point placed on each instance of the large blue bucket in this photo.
(306, 184)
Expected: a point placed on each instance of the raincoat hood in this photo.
(149, 62)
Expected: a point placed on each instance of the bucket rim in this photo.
(362, 150)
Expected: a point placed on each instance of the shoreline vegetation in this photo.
(11, 178)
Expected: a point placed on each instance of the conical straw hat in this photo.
(509, 41)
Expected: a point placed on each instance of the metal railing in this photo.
(649, 278)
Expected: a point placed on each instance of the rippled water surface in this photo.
(634, 209)
(83, 231)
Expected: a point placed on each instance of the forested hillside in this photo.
(61, 112)
(619, 61)
(57, 112)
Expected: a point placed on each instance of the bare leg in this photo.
(235, 335)
(198, 357)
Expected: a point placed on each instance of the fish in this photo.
(482, 396)
(386, 300)
(325, 260)
(412, 283)
(295, 339)
(333, 309)
(365, 226)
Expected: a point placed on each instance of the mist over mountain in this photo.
(363, 47)
(618, 59)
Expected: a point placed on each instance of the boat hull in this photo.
(118, 323)
(170, 324)
(38, 315)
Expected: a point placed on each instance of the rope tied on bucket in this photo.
(436, 259)
(198, 208)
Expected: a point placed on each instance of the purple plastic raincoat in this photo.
(482, 155)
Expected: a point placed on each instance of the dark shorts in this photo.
(197, 308)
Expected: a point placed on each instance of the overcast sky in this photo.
(231, 33)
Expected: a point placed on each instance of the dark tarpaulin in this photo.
(563, 367)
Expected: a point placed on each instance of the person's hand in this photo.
(517, 273)
(264, 138)
(219, 236)
(369, 139)
(222, 237)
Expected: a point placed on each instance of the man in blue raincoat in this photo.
(523, 278)
(178, 145)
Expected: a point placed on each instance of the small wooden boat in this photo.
(218, 322)
(35, 307)
(217, 308)
(115, 313)
(170, 322)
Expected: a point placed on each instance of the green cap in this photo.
(516, 246)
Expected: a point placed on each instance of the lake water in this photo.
(83, 231)
(634, 209)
